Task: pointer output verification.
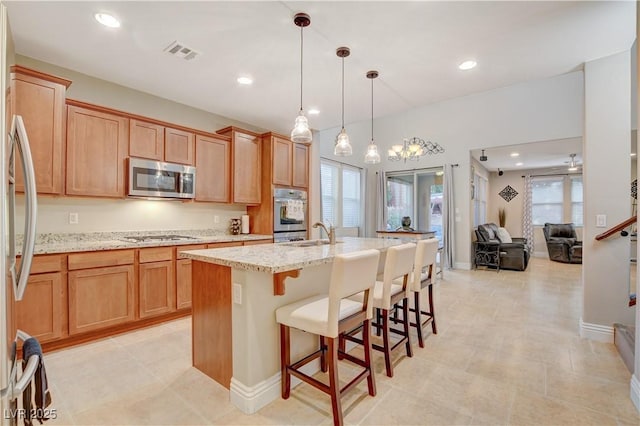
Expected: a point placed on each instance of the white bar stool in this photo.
(386, 295)
(329, 317)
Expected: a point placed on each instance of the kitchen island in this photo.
(236, 291)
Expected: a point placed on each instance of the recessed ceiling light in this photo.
(515, 154)
(107, 20)
(314, 111)
(467, 65)
(245, 80)
(519, 164)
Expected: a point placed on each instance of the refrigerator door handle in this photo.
(31, 206)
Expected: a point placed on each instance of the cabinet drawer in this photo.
(256, 242)
(100, 259)
(155, 254)
(227, 244)
(191, 247)
(46, 263)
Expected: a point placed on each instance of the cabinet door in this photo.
(41, 105)
(183, 283)
(96, 150)
(41, 312)
(178, 146)
(157, 288)
(246, 168)
(146, 140)
(213, 169)
(300, 165)
(281, 164)
(100, 298)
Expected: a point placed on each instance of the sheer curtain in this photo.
(448, 218)
(381, 223)
(527, 222)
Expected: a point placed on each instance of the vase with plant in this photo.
(502, 217)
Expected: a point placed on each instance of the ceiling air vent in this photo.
(181, 51)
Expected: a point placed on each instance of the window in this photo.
(479, 200)
(576, 200)
(547, 199)
(341, 192)
(399, 200)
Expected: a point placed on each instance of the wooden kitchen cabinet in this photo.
(100, 298)
(157, 142)
(96, 151)
(246, 165)
(183, 277)
(281, 150)
(213, 169)
(42, 312)
(40, 99)
(156, 282)
(146, 140)
(300, 174)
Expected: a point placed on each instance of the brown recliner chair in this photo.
(491, 252)
(562, 242)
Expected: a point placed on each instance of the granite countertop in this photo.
(280, 257)
(94, 241)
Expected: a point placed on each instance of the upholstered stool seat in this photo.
(386, 296)
(329, 316)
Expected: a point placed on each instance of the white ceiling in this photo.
(416, 46)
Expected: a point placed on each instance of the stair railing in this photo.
(618, 228)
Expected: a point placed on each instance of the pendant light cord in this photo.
(372, 110)
(301, 53)
(343, 92)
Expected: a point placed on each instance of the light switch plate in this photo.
(601, 221)
(73, 218)
(237, 293)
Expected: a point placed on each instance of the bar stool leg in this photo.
(386, 341)
(378, 323)
(405, 315)
(285, 360)
(323, 354)
(416, 302)
(366, 333)
(431, 311)
(334, 383)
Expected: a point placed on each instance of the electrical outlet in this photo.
(237, 293)
(601, 221)
(73, 218)
(216, 219)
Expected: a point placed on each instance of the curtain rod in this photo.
(557, 174)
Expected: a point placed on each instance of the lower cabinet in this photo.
(40, 312)
(183, 283)
(100, 298)
(157, 288)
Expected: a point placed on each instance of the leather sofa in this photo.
(490, 251)
(562, 242)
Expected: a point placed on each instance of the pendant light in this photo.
(343, 146)
(301, 132)
(372, 156)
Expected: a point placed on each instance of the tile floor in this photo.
(507, 352)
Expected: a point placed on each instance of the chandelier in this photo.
(413, 149)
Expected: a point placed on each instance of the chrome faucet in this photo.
(331, 232)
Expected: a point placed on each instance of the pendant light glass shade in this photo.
(372, 156)
(343, 146)
(301, 132)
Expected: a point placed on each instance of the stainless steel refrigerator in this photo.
(15, 148)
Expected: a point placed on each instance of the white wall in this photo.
(539, 110)
(606, 147)
(131, 214)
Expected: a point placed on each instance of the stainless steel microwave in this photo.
(148, 178)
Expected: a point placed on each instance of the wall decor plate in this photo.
(508, 193)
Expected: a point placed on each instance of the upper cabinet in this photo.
(40, 99)
(213, 168)
(96, 152)
(157, 142)
(286, 162)
(246, 165)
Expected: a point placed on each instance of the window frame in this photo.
(339, 195)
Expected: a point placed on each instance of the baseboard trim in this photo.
(250, 399)
(635, 391)
(462, 265)
(597, 332)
